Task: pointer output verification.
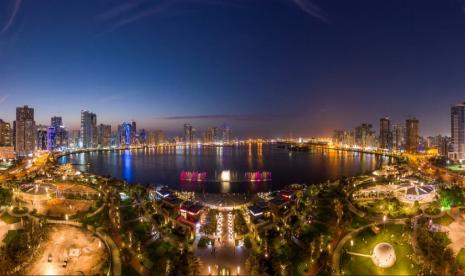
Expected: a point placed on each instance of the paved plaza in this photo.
(224, 255)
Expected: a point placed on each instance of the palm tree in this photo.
(253, 266)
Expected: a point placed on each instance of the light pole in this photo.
(384, 222)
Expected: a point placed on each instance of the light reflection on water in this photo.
(162, 166)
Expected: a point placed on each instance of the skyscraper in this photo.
(56, 121)
(398, 136)
(226, 134)
(188, 134)
(104, 135)
(125, 134)
(385, 134)
(5, 134)
(51, 139)
(208, 136)
(155, 137)
(41, 137)
(25, 131)
(88, 129)
(61, 134)
(412, 137)
(457, 125)
(134, 134)
(364, 135)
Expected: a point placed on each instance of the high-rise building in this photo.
(25, 131)
(134, 134)
(41, 137)
(5, 134)
(74, 138)
(457, 125)
(125, 134)
(365, 136)
(51, 139)
(155, 137)
(226, 134)
(104, 135)
(343, 138)
(189, 134)
(439, 142)
(208, 135)
(142, 137)
(56, 121)
(61, 134)
(88, 129)
(398, 136)
(385, 134)
(412, 137)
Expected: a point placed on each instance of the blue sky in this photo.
(264, 67)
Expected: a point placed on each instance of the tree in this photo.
(254, 265)
(5, 196)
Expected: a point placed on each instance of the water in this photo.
(162, 166)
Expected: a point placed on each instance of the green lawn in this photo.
(444, 220)
(456, 168)
(9, 219)
(364, 243)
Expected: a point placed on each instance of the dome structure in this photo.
(384, 255)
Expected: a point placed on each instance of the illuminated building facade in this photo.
(457, 125)
(412, 137)
(88, 129)
(125, 134)
(61, 134)
(398, 136)
(155, 137)
(25, 131)
(5, 134)
(365, 136)
(142, 137)
(189, 134)
(51, 133)
(41, 137)
(226, 134)
(104, 135)
(343, 138)
(134, 134)
(209, 135)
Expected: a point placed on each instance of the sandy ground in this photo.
(456, 233)
(75, 188)
(86, 253)
(59, 207)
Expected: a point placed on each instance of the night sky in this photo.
(265, 67)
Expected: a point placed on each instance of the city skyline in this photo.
(267, 70)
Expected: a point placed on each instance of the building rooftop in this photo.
(192, 208)
(257, 211)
